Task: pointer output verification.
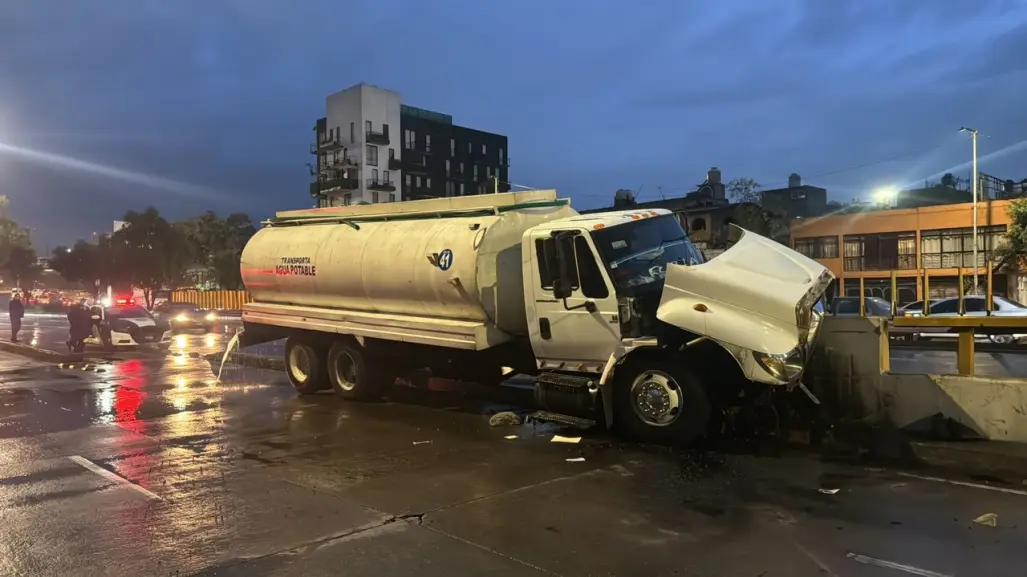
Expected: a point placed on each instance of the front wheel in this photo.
(305, 365)
(659, 401)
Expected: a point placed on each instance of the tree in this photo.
(11, 235)
(744, 190)
(750, 214)
(216, 245)
(1014, 250)
(22, 265)
(154, 253)
(89, 264)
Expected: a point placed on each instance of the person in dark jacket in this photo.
(80, 326)
(16, 309)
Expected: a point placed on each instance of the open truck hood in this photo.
(758, 295)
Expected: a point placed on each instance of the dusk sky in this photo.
(188, 105)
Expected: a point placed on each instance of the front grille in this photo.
(146, 334)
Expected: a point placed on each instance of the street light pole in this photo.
(976, 179)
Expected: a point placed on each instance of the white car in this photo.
(127, 326)
(975, 306)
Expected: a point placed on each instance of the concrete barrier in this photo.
(851, 375)
(220, 300)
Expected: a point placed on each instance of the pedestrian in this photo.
(82, 327)
(16, 310)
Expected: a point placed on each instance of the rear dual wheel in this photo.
(305, 365)
(343, 366)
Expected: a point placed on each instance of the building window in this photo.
(475, 177)
(385, 129)
(892, 251)
(461, 171)
(392, 197)
(484, 151)
(374, 175)
(385, 176)
(450, 187)
(461, 189)
(392, 154)
(372, 155)
(374, 196)
(470, 148)
(427, 143)
(408, 180)
(488, 171)
(409, 139)
(347, 199)
(955, 247)
(818, 247)
(427, 182)
(452, 147)
(501, 157)
(367, 126)
(417, 182)
(352, 131)
(447, 167)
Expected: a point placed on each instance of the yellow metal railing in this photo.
(220, 300)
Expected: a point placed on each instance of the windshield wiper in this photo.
(660, 250)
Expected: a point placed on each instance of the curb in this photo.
(37, 353)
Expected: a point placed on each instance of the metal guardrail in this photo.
(219, 300)
(967, 327)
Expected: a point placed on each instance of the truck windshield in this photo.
(637, 253)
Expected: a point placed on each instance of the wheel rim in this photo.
(1001, 339)
(299, 364)
(656, 398)
(345, 369)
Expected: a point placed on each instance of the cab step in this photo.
(568, 420)
(568, 395)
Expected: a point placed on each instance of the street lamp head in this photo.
(966, 129)
(885, 195)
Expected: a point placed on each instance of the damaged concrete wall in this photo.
(846, 375)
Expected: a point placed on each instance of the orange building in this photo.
(935, 239)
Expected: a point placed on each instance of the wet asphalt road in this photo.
(50, 332)
(154, 468)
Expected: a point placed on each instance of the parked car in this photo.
(185, 316)
(975, 306)
(127, 326)
(849, 306)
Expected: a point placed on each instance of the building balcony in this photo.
(415, 167)
(395, 164)
(387, 186)
(372, 137)
(881, 263)
(344, 184)
(335, 164)
(325, 145)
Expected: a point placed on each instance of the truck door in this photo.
(584, 327)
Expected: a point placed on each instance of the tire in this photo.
(663, 380)
(1002, 339)
(352, 374)
(305, 365)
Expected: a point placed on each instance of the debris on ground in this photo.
(829, 491)
(988, 520)
(505, 419)
(576, 460)
(422, 442)
(511, 437)
(562, 439)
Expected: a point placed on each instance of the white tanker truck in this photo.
(615, 313)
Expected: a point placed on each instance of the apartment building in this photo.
(869, 245)
(371, 148)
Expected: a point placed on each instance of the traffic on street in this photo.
(150, 466)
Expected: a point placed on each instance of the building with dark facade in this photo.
(797, 200)
(371, 148)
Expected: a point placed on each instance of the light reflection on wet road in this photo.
(244, 478)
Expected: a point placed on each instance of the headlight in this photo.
(786, 367)
(182, 318)
(211, 317)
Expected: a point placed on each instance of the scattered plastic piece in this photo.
(510, 437)
(829, 491)
(562, 439)
(505, 418)
(988, 520)
(421, 442)
(576, 460)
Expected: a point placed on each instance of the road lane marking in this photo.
(965, 484)
(897, 566)
(91, 466)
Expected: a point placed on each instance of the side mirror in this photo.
(561, 288)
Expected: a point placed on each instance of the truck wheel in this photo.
(658, 401)
(305, 365)
(352, 375)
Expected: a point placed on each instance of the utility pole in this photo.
(976, 178)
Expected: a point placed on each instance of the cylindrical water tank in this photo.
(465, 268)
